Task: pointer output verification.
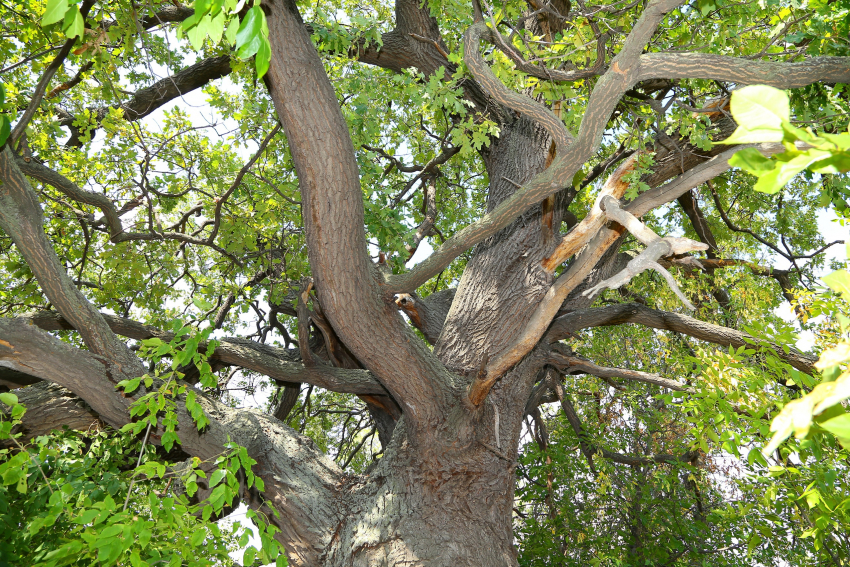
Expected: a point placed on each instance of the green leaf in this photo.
(216, 28)
(751, 161)
(759, 111)
(73, 24)
(217, 476)
(5, 129)
(9, 398)
(263, 58)
(230, 34)
(249, 556)
(838, 281)
(249, 36)
(197, 34)
(839, 426)
(56, 10)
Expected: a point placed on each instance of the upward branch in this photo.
(366, 321)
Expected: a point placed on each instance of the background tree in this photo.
(573, 156)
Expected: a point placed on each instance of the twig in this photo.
(138, 464)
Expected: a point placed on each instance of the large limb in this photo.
(50, 406)
(361, 314)
(574, 321)
(781, 75)
(301, 482)
(283, 365)
(593, 247)
(21, 219)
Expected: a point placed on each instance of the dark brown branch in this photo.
(44, 82)
(642, 315)
(280, 364)
(589, 448)
(221, 315)
(147, 100)
(219, 203)
(111, 217)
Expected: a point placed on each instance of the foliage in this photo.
(72, 497)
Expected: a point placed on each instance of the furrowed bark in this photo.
(362, 315)
(50, 406)
(21, 219)
(781, 75)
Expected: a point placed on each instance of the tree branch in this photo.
(570, 323)
(361, 314)
(620, 77)
(145, 101)
(781, 75)
(280, 364)
(301, 482)
(44, 82)
(589, 448)
(573, 364)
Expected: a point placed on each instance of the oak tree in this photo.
(599, 269)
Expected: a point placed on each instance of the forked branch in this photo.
(656, 248)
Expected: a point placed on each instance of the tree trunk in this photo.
(452, 511)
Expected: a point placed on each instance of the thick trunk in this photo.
(455, 511)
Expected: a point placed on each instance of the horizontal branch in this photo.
(782, 75)
(573, 364)
(570, 323)
(50, 406)
(147, 100)
(279, 364)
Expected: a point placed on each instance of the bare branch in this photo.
(573, 364)
(655, 248)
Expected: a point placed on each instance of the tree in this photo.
(596, 120)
